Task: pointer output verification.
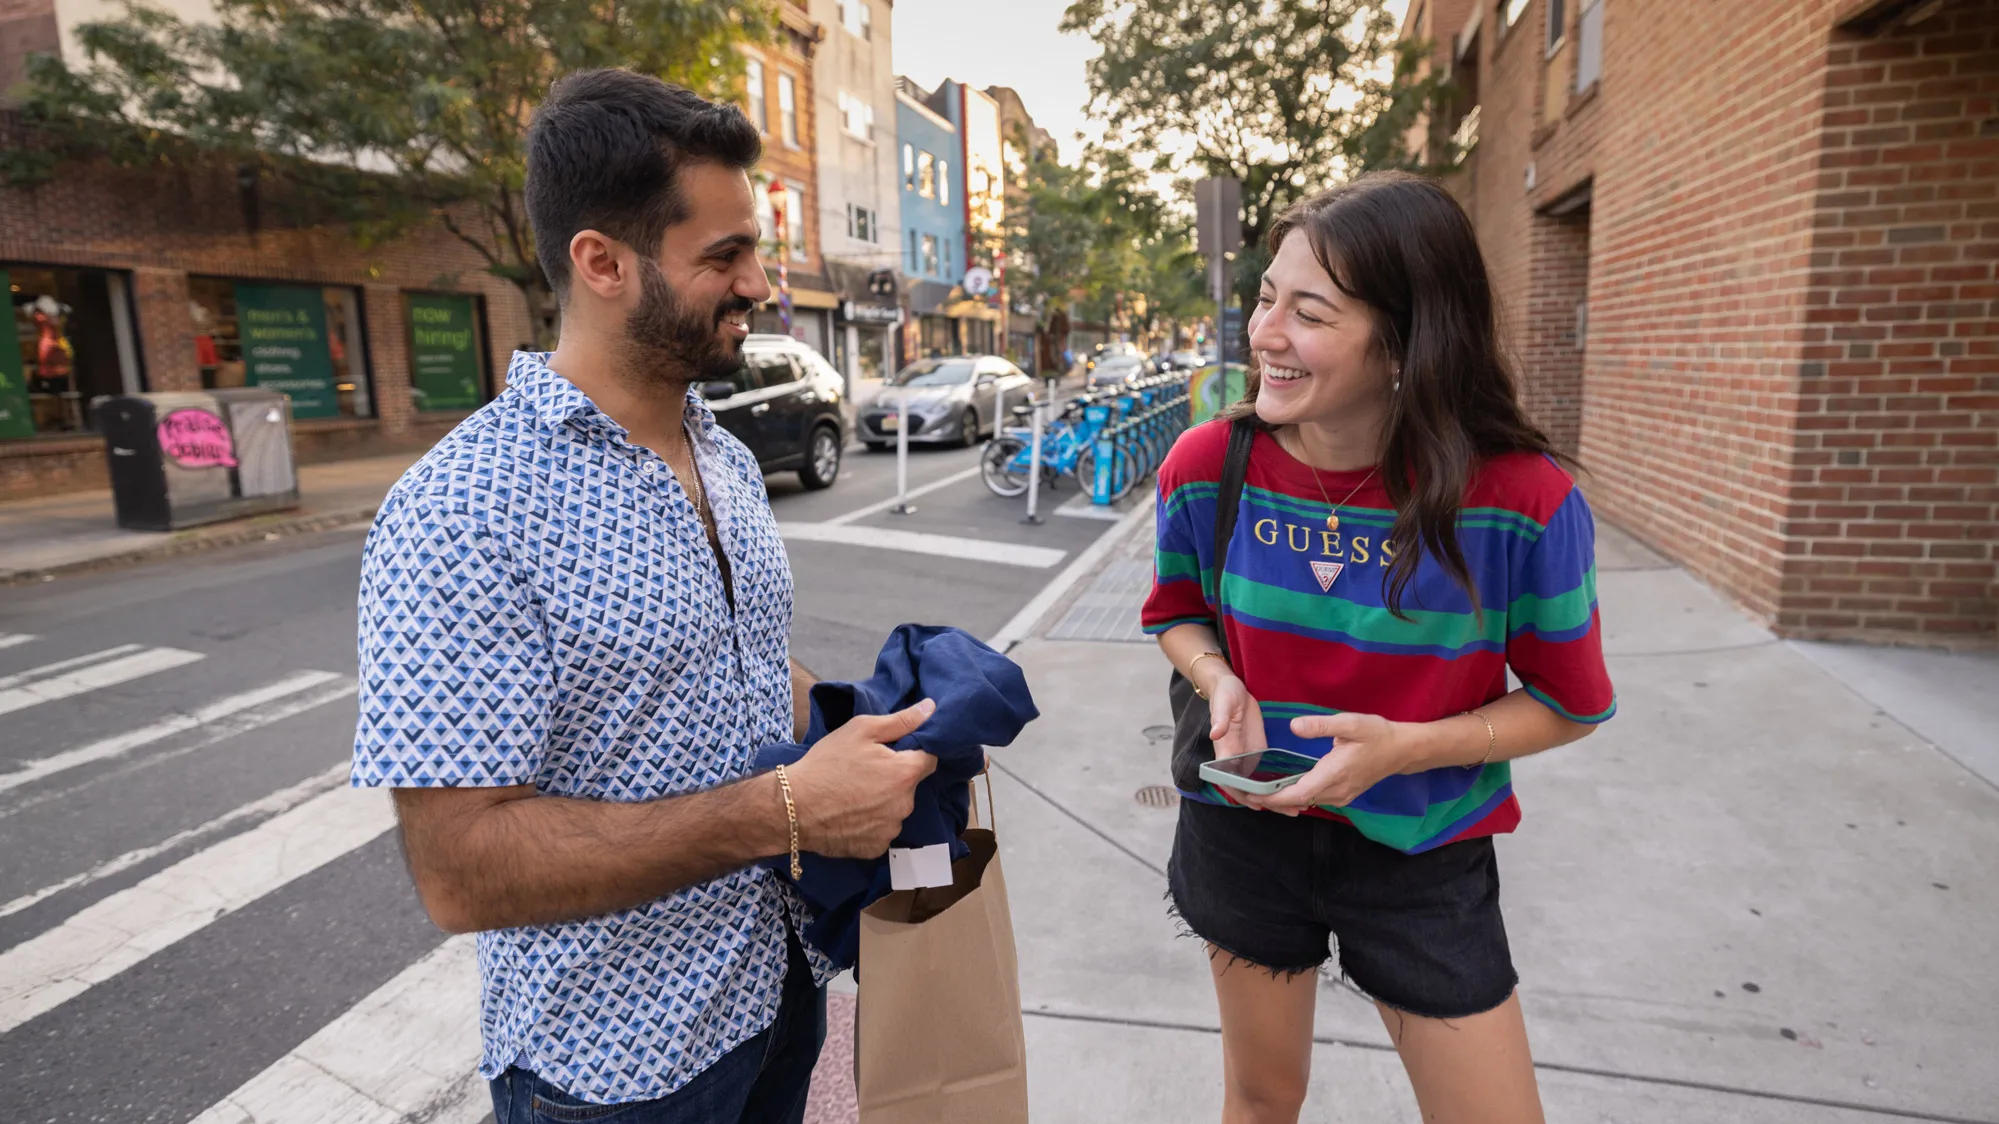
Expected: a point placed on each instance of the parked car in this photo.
(950, 400)
(1119, 370)
(785, 403)
(1187, 360)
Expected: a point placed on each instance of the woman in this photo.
(1404, 536)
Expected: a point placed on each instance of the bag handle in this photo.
(972, 796)
(1228, 504)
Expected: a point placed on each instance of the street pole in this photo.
(902, 504)
(1034, 463)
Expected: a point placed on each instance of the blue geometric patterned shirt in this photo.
(539, 605)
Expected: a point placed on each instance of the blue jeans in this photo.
(762, 1081)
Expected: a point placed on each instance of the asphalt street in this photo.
(188, 898)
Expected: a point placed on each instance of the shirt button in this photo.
(651, 466)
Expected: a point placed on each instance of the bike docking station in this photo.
(1108, 441)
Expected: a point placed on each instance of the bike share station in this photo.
(1112, 440)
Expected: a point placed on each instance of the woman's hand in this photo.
(1235, 719)
(1367, 749)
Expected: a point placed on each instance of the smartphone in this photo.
(1263, 772)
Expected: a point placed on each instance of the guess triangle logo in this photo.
(1326, 572)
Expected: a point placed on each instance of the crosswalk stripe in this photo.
(922, 542)
(409, 1051)
(104, 939)
(47, 670)
(94, 677)
(283, 800)
(10, 639)
(861, 513)
(167, 727)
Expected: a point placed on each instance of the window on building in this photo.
(930, 265)
(1510, 12)
(754, 77)
(302, 340)
(947, 259)
(915, 261)
(794, 218)
(856, 18)
(787, 108)
(926, 175)
(73, 341)
(1589, 45)
(944, 182)
(861, 223)
(1557, 23)
(909, 167)
(447, 354)
(857, 117)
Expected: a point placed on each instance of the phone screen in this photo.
(1269, 765)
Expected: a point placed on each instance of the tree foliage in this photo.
(376, 113)
(1288, 96)
(1096, 241)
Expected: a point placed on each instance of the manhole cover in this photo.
(1159, 733)
(1158, 796)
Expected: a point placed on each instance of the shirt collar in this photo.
(557, 401)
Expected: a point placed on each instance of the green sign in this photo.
(444, 353)
(283, 333)
(1214, 389)
(15, 418)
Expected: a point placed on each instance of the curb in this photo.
(196, 540)
(1027, 623)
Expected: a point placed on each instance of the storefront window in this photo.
(447, 352)
(304, 341)
(72, 343)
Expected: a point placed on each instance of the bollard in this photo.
(902, 504)
(1033, 462)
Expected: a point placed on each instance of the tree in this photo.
(1289, 96)
(1096, 239)
(374, 113)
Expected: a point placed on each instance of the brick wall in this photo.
(1895, 501)
(1792, 364)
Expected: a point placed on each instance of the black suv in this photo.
(785, 404)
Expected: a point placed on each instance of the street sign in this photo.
(978, 281)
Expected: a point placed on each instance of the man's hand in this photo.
(853, 791)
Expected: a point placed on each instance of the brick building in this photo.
(1746, 251)
(134, 280)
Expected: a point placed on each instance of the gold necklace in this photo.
(698, 492)
(1333, 518)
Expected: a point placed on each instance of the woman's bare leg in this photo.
(1266, 1040)
(1474, 1070)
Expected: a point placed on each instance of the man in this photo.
(574, 625)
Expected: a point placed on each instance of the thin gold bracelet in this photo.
(1491, 739)
(1197, 663)
(791, 814)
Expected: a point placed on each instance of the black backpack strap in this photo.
(1228, 503)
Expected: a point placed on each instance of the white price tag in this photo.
(912, 867)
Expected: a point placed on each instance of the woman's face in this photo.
(1314, 344)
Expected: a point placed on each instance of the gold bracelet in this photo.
(1197, 663)
(791, 814)
(1491, 739)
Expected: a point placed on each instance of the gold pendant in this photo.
(1332, 522)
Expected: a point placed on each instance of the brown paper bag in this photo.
(939, 1039)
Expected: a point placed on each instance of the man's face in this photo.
(695, 299)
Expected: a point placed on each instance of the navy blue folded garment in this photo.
(982, 700)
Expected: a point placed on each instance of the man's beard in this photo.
(667, 341)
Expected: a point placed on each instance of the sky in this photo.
(966, 40)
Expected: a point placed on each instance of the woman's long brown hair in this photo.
(1400, 244)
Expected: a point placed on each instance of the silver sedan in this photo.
(949, 400)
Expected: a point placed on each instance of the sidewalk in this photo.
(79, 530)
(1753, 896)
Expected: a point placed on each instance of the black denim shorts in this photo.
(1420, 933)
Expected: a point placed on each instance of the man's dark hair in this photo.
(605, 153)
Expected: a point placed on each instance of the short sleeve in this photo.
(456, 678)
(1185, 520)
(1554, 637)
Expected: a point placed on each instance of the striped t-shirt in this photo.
(1309, 632)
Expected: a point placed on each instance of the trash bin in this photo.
(182, 459)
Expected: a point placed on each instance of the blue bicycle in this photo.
(1066, 450)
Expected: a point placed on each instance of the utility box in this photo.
(182, 459)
